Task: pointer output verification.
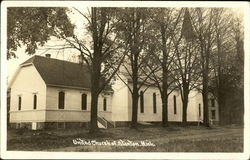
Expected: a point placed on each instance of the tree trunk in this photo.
(205, 95)
(93, 117)
(184, 114)
(185, 104)
(134, 108)
(164, 93)
(164, 99)
(95, 82)
(220, 93)
(205, 101)
(135, 96)
(95, 76)
(205, 70)
(221, 103)
(135, 91)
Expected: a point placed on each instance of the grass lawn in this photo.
(171, 139)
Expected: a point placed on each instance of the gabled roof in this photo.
(61, 73)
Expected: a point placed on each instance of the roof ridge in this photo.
(55, 59)
(31, 59)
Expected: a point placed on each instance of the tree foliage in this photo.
(33, 26)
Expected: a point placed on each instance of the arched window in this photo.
(175, 109)
(34, 101)
(142, 102)
(19, 103)
(212, 102)
(61, 98)
(199, 110)
(213, 114)
(154, 102)
(104, 104)
(84, 101)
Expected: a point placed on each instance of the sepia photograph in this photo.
(155, 79)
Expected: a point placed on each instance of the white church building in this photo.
(51, 93)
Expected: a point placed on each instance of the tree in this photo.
(33, 26)
(103, 55)
(227, 84)
(187, 66)
(165, 22)
(133, 31)
(204, 29)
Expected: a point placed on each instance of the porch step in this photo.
(109, 123)
(101, 122)
(104, 123)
